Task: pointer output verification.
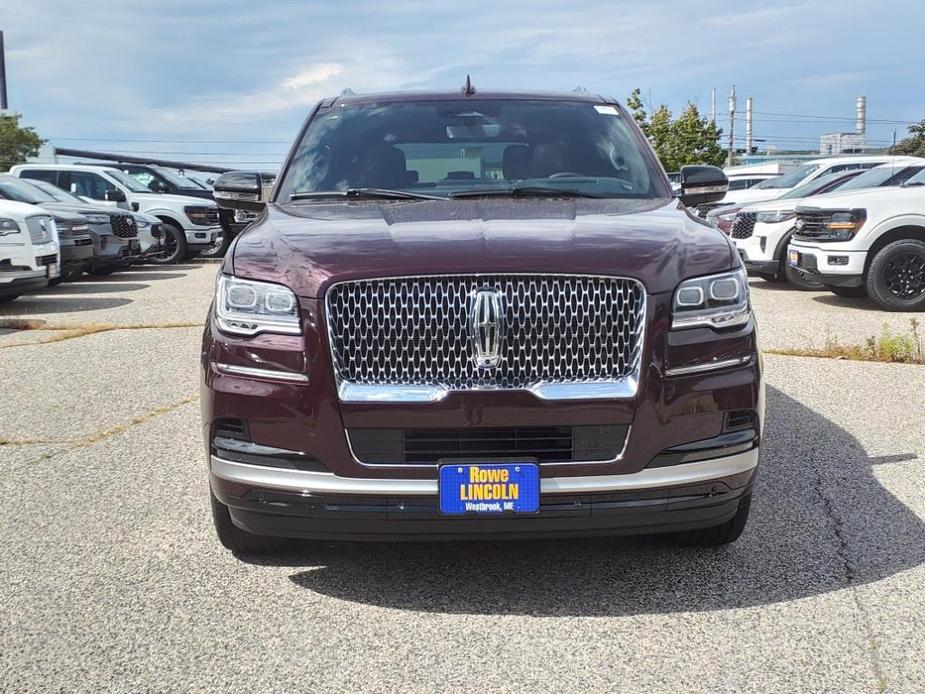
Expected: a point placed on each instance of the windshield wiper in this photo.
(523, 191)
(363, 194)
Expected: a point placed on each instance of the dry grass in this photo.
(68, 332)
(890, 346)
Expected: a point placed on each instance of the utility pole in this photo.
(730, 158)
(713, 104)
(748, 125)
(3, 102)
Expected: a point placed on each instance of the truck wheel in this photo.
(848, 292)
(721, 534)
(896, 276)
(172, 247)
(241, 542)
(801, 280)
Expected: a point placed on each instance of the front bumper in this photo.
(829, 264)
(762, 251)
(318, 505)
(76, 253)
(14, 282)
(201, 237)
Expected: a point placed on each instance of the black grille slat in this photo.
(744, 225)
(812, 225)
(424, 446)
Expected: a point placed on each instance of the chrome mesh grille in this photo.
(39, 228)
(556, 329)
(744, 225)
(123, 226)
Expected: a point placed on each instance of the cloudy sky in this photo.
(231, 81)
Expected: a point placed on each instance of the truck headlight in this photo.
(843, 225)
(8, 226)
(776, 216)
(715, 301)
(201, 216)
(247, 308)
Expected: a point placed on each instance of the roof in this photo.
(458, 95)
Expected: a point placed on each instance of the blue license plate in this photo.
(490, 488)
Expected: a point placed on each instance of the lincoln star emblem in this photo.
(486, 327)
(800, 224)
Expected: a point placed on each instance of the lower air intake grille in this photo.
(428, 446)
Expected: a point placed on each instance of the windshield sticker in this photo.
(607, 110)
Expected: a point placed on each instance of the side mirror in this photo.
(239, 190)
(702, 184)
(115, 195)
(156, 186)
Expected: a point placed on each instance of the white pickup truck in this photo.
(866, 242)
(190, 224)
(29, 250)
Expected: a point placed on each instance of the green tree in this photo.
(17, 143)
(914, 144)
(689, 139)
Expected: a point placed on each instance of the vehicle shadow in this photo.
(820, 522)
(52, 303)
(135, 276)
(860, 303)
(93, 288)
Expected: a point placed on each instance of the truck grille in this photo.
(428, 446)
(40, 229)
(812, 225)
(553, 329)
(744, 225)
(123, 226)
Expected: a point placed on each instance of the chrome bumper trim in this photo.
(598, 390)
(251, 372)
(708, 366)
(328, 483)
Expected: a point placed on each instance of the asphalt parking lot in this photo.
(112, 578)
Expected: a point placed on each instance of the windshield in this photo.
(450, 147)
(873, 178)
(128, 181)
(817, 185)
(13, 188)
(794, 178)
(176, 179)
(55, 192)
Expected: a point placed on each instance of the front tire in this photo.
(718, 535)
(241, 542)
(896, 276)
(173, 247)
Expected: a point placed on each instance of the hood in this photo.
(76, 209)
(308, 246)
(772, 205)
(19, 210)
(865, 197)
(751, 195)
(169, 199)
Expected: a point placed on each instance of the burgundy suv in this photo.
(478, 315)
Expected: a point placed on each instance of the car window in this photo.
(445, 147)
(90, 185)
(143, 177)
(794, 178)
(40, 175)
(13, 188)
(881, 175)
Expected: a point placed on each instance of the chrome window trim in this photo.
(434, 466)
(623, 388)
(308, 483)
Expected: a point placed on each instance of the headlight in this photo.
(201, 215)
(843, 225)
(245, 307)
(97, 218)
(716, 301)
(776, 216)
(80, 229)
(8, 226)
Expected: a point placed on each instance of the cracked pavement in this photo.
(111, 578)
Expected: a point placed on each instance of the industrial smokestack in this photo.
(713, 106)
(860, 123)
(3, 104)
(748, 125)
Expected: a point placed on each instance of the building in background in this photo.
(833, 144)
